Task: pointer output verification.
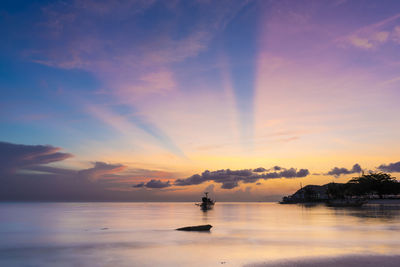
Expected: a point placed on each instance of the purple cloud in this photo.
(391, 167)
(15, 157)
(140, 185)
(41, 182)
(153, 184)
(260, 169)
(231, 178)
(336, 171)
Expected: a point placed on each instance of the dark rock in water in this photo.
(206, 227)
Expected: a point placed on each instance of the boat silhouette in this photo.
(206, 202)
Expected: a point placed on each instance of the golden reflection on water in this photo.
(142, 234)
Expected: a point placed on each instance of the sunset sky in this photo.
(148, 100)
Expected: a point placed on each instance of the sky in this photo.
(146, 100)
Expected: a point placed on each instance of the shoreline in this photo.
(353, 260)
(388, 201)
(384, 201)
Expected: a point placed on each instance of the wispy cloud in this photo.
(129, 124)
(116, 54)
(134, 64)
(100, 169)
(374, 35)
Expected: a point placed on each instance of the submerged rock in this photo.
(205, 227)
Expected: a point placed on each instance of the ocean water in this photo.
(142, 234)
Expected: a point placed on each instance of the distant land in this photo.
(368, 186)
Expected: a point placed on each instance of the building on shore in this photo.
(309, 193)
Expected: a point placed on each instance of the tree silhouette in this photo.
(310, 194)
(374, 183)
(336, 191)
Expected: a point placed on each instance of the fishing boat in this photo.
(206, 202)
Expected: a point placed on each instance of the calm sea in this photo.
(142, 234)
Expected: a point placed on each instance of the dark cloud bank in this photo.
(26, 174)
(230, 178)
(153, 184)
(14, 157)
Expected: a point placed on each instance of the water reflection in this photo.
(142, 234)
(372, 211)
(377, 211)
